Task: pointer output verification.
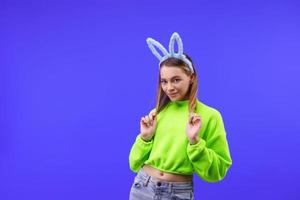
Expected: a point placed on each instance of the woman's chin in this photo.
(173, 98)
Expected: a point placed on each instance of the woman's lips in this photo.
(172, 95)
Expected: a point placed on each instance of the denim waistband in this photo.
(152, 179)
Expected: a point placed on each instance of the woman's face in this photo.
(174, 82)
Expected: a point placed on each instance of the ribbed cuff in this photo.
(143, 142)
(199, 146)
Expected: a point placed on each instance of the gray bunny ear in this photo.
(175, 37)
(152, 44)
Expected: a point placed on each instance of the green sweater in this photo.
(169, 149)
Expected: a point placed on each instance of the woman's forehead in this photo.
(171, 72)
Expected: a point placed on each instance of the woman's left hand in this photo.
(193, 126)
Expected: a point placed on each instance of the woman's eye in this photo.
(175, 80)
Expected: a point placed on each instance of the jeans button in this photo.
(137, 185)
(158, 184)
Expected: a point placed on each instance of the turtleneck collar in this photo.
(180, 102)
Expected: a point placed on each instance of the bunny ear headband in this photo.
(175, 37)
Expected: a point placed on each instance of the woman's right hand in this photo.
(148, 125)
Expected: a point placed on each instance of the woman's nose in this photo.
(170, 87)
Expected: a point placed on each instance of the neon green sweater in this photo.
(169, 149)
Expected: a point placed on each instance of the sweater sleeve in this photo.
(210, 157)
(139, 153)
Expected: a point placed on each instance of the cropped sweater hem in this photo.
(169, 171)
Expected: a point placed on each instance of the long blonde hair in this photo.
(162, 99)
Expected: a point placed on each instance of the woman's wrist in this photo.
(146, 139)
(194, 140)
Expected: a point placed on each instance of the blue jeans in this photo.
(146, 187)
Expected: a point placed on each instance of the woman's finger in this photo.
(196, 117)
(196, 120)
(192, 115)
(152, 116)
(147, 120)
(193, 118)
(153, 112)
(151, 120)
(143, 122)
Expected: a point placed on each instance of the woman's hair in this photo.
(162, 99)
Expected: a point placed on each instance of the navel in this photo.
(161, 173)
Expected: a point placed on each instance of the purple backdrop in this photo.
(75, 78)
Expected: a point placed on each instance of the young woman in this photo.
(180, 136)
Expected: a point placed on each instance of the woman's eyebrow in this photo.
(171, 78)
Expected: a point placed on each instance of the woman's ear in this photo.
(192, 78)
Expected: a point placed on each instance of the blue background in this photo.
(77, 76)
